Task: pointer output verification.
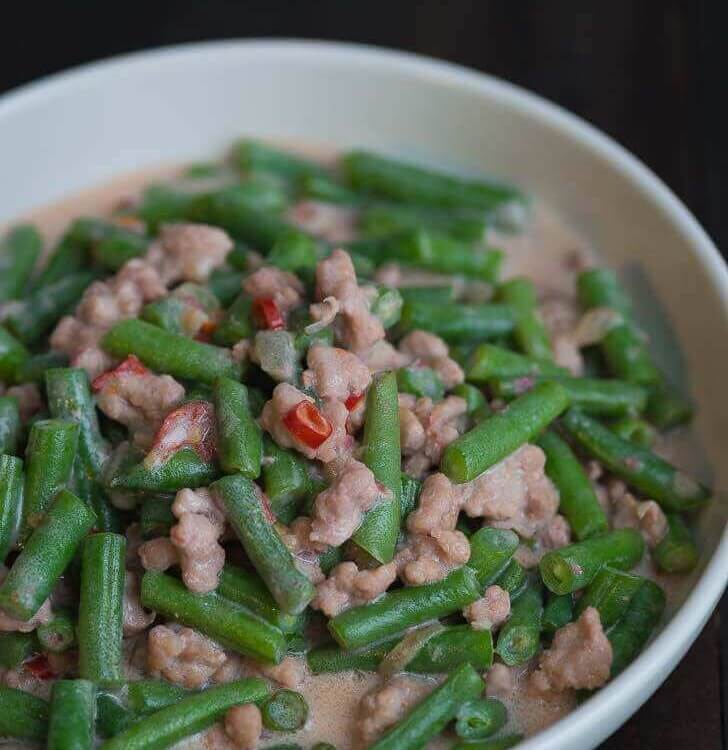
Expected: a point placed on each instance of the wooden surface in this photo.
(651, 74)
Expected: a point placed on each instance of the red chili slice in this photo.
(191, 425)
(205, 331)
(267, 314)
(307, 424)
(39, 667)
(131, 365)
(353, 401)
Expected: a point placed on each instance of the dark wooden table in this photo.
(649, 73)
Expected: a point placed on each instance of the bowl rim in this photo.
(654, 664)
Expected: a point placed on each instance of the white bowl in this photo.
(79, 128)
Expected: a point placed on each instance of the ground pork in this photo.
(394, 275)
(514, 494)
(290, 673)
(500, 682)
(440, 421)
(244, 725)
(438, 506)
(30, 402)
(490, 611)
(188, 252)
(297, 537)
(335, 373)
(158, 554)
(136, 618)
(560, 315)
(103, 304)
(383, 356)
(327, 220)
(645, 516)
(285, 398)
(339, 509)
(200, 523)
(426, 558)
(283, 287)
(580, 656)
(356, 327)
(347, 586)
(387, 704)
(431, 351)
(139, 400)
(182, 655)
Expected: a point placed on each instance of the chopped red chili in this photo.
(131, 365)
(306, 423)
(205, 331)
(39, 667)
(353, 401)
(267, 314)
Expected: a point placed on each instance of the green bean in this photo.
(436, 295)
(634, 430)
(243, 506)
(559, 611)
(519, 637)
(34, 368)
(530, 332)
(504, 742)
(480, 718)
(237, 323)
(501, 434)
(458, 323)
(666, 407)
(32, 316)
(489, 361)
(610, 593)
(285, 480)
(155, 516)
(420, 381)
(377, 534)
(15, 648)
(638, 467)
(330, 558)
(477, 404)
(217, 617)
(45, 556)
(23, 716)
(512, 579)
(400, 181)
(429, 717)
(432, 251)
(57, 635)
(400, 609)
(624, 344)
(9, 425)
(322, 188)
(67, 257)
(20, 249)
(240, 444)
(147, 696)
(409, 497)
(13, 356)
(192, 714)
(93, 493)
(245, 211)
(676, 553)
(72, 715)
(109, 244)
(285, 711)
(573, 567)
(443, 652)
(100, 612)
(295, 251)
(382, 219)
(169, 313)
(112, 714)
(248, 589)
(11, 502)
(225, 284)
(253, 156)
(183, 469)
(160, 204)
(608, 398)
(490, 553)
(49, 460)
(577, 498)
(167, 352)
(387, 306)
(630, 634)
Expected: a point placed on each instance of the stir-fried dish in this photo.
(324, 454)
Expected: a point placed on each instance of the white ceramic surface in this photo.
(79, 128)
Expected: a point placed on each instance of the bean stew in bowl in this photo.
(302, 450)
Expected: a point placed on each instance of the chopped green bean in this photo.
(519, 637)
(13, 356)
(72, 715)
(489, 361)
(240, 445)
(23, 716)
(676, 552)
(458, 323)
(285, 711)
(480, 718)
(610, 593)
(529, 332)
(20, 249)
